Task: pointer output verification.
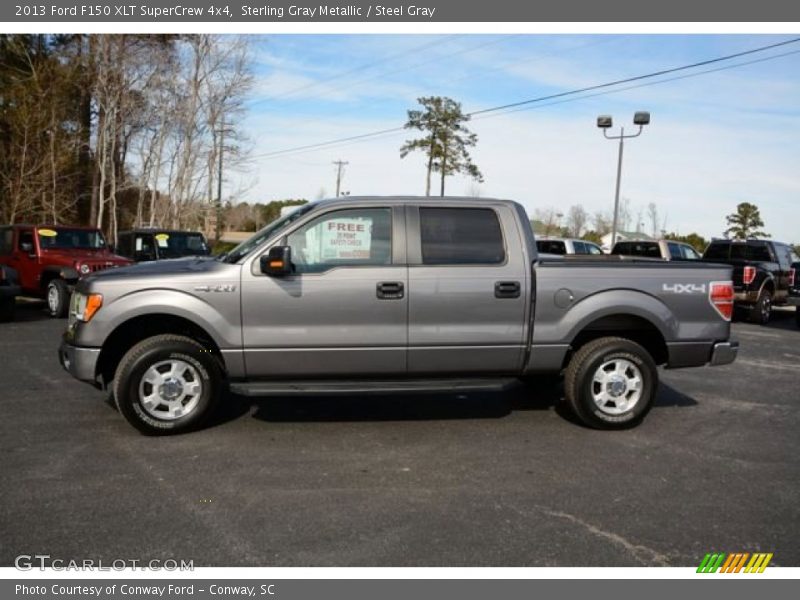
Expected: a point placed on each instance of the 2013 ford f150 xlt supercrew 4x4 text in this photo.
(392, 294)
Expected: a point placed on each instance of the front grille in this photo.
(99, 267)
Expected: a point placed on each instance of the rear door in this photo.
(468, 283)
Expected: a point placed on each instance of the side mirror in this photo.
(111, 248)
(277, 262)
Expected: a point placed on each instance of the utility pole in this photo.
(218, 207)
(339, 170)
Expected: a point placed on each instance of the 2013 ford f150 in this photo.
(387, 294)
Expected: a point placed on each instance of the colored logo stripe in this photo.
(733, 563)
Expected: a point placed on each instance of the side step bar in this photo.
(340, 387)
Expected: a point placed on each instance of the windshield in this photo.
(250, 244)
(177, 245)
(70, 238)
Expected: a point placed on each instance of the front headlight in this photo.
(84, 269)
(84, 306)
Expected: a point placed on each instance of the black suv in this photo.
(762, 273)
(158, 244)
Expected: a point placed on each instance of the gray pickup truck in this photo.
(392, 294)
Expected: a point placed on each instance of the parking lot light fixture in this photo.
(605, 122)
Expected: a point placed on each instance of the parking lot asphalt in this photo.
(501, 479)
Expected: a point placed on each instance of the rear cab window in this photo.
(461, 236)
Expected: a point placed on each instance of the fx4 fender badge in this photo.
(215, 288)
(685, 288)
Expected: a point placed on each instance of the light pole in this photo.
(605, 122)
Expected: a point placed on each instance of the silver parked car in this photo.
(663, 249)
(560, 245)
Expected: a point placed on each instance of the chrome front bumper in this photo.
(79, 362)
(724, 353)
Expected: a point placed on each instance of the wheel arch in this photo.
(141, 327)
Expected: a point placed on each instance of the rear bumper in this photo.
(79, 362)
(724, 353)
(698, 354)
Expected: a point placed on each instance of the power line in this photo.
(539, 99)
(357, 69)
(638, 77)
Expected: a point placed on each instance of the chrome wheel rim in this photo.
(766, 307)
(617, 386)
(170, 389)
(52, 298)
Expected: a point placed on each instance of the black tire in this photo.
(202, 367)
(580, 387)
(57, 298)
(7, 308)
(762, 309)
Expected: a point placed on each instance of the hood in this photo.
(190, 266)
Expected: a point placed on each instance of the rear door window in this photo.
(674, 250)
(459, 236)
(580, 248)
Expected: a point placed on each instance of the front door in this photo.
(344, 309)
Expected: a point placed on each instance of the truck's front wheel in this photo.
(611, 383)
(167, 384)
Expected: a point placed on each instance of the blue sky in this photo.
(715, 140)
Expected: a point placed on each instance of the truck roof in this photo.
(413, 200)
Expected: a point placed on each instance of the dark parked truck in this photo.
(159, 244)
(50, 259)
(392, 294)
(794, 291)
(762, 273)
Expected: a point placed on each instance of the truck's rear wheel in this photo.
(57, 298)
(762, 309)
(611, 383)
(167, 384)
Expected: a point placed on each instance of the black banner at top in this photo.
(194, 11)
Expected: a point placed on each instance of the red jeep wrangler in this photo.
(49, 259)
